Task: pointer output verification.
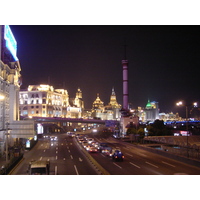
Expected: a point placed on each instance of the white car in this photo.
(90, 140)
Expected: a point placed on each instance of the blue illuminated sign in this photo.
(11, 43)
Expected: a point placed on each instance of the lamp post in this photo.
(180, 103)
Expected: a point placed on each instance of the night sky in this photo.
(163, 61)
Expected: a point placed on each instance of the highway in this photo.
(141, 162)
(67, 157)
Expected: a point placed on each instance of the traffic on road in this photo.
(66, 154)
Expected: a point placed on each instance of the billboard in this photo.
(10, 42)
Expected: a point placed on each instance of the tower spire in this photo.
(125, 48)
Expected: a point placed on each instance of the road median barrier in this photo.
(97, 166)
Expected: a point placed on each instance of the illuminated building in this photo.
(45, 101)
(152, 111)
(10, 80)
(108, 112)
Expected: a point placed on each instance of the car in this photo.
(88, 147)
(90, 140)
(117, 155)
(85, 144)
(95, 144)
(53, 138)
(93, 149)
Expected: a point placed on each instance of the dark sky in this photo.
(163, 61)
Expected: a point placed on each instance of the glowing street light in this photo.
(180, 103)
(2, 97)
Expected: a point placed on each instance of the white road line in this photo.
(76, 170)
(40, 158)
(168, 164)
(129, 154)
(56, 151)
(117, 165)
(69, 151)
(63, 158)
(141, 154)
(80, 160)
(56, 157)
(56, 170)
(134, 165)
(151, 164)
(44, 150)
(71, 156)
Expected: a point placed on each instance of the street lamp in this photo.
(180, 103)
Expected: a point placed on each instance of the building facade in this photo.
(152, 111)
(108, 112)
(10, 82)
(45, 101)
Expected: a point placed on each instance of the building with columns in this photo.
(11, 129)
(45, 101)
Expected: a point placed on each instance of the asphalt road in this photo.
(141, 162)
(66, 158)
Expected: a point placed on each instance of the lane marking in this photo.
(56, 151)
(141, 154)
(151, 164)
(63, 158)
(129, 154)
(56, 157)
(56, 170)
(69, 151)
(40, 158)
(80, 160)
(76, 170)
(168, 164)
(117, 165)
(44, 150)
(134, 165)
(71, 156)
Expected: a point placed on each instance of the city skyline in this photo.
(163, 61)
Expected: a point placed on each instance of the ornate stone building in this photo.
(45, 101)
(11, 129)
(108, 112)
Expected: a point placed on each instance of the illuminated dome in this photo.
(97, 103)
(148, 104)
(151, 105)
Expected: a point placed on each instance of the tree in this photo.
(158, 128)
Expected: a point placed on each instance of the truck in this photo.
(39, 167)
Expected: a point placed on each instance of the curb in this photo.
(11, 171)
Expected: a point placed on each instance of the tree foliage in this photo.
(158, 128)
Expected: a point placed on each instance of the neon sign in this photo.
(11, 43)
